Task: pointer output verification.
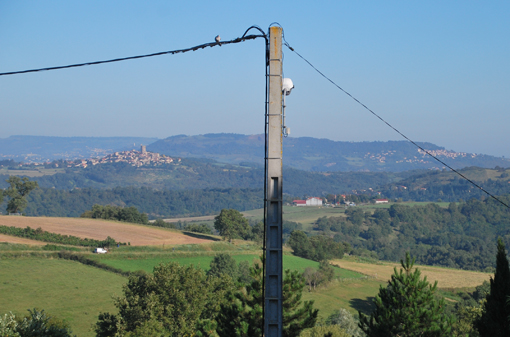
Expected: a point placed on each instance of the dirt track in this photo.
(137, 235)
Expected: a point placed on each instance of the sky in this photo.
(438, 71)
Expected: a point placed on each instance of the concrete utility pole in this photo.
(273, 315)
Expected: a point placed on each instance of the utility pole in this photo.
(273, 296)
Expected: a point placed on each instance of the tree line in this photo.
(108, 212)
(41, 235)
(184, 301)
(155, 203)
(458, 236)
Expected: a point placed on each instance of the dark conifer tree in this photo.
(494, 320)
(406, 307)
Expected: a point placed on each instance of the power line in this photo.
(171, 52)
(391, 126)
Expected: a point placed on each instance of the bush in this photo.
(162, 223)
(41, 235)
(37, 323)
(198, 228)
(108, 212)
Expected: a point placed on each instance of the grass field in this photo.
(289, 262)
(31, 173)
(304, 215)
(65, 289)
(352, 295)
(137, 235)
(309, 215)
(446, 277)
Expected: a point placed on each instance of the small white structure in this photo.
(100, 251)
(381, 201)
(314, 201)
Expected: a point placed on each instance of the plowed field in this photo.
(137, 235)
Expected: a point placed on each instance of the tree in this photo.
(315, 248)
(327, 271)
(36, 323)
(17, 192)
(300, 244)
(494, 319)
(172, 301)
(406, 307)
(343, 319)
(242, 316)
(8, 325)
(223, 264)
(231, 224)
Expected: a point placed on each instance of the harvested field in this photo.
(14, 239)
(445, 277)
(137, 235)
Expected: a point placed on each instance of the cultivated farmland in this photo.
(137, 235)
(446, 277)
(14, 239)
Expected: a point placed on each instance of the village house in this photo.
(312, 201)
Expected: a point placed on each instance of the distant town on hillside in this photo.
(303, 153)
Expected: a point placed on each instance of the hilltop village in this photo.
(133, 157)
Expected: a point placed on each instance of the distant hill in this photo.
(448, 186)
(303, 153)
(321, 155)
(31, 149)
(199, 174)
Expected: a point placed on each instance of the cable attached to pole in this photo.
(171, 52)
(395, 129)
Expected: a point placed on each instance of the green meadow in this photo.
(148, 264)
(64, 289)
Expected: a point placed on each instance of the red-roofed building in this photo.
(313, 201)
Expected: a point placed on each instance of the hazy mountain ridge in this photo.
(322, 155)
(303, 153)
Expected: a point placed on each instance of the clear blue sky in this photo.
(437, 70)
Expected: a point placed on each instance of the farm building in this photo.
(313, 201)
(381, 201)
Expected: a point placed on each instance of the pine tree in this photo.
(243, 317)
(494, 320)
(406, 307)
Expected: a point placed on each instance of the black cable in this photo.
(391, 126)
(266, 123)
(202, 46)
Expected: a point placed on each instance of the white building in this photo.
(314, 201)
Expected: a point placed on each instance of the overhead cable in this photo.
(392, 127)
(171, 52)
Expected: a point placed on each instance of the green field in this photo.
(289, 262)
(353, 295)
(309, 215)
(65, 289)
(39, 172)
